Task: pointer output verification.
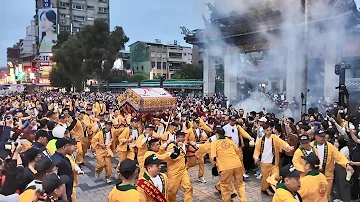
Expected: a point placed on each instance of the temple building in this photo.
(267, 44)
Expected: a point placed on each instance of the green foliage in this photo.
(59, 79)
(117, 76)
(138, 77)
(189, 71)
(90, 53)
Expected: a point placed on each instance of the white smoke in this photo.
(286, 54)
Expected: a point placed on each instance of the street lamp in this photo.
(340, 71)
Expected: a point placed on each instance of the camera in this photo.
(8, 144)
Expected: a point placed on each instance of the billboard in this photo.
(47, 29)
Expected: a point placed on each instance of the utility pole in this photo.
(304, 87)
(343, 93)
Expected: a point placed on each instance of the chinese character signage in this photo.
(46, 3)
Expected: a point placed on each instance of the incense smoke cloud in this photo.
(290, 36)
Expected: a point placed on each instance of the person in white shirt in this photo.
(231, 130)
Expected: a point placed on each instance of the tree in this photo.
(118, 76)
(189, 71)
(58, 78)
(100, 48)
(138, 77)
(69, 61)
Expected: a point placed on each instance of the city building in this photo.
(72, 15)
(155, 59)
(13, 61)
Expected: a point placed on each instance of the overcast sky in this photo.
(141, 20)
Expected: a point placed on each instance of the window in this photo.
(142, 68)
(103, 19)
(68, 29)
(103, 10)
(78, 18)
(164, 65)
(102, 1)
(90, 7)
(90, 19)
(76, 29)
(164, 55)
(158, 65)
(62, 28)
(78, 7)
(175, 55)
(190, 56)
(153, 55)
(152, 64)
(62, 16)
(63, 5)
(158, 55)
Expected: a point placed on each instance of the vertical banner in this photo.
(47, 29)
(46, 3)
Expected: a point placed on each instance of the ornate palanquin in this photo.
(147, 99)
(244, 30)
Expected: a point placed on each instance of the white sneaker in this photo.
(245, 175)
(201, 179)
(108, 180)
(117, 175)
(259, 177)
(94, 154)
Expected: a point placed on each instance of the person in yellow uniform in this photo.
(328, 155)
(78, 133)
(314, 183)
(29, 141)
(126, 191)
(142, 145)
(126, 141)
(304, 149)
(266, 153)
(155, 147)
(225, 153)
(195, 134)
(101, 142)
(169, 135)
(153, 184)
(289, 185)
(176, 169)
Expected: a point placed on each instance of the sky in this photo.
(140, 19)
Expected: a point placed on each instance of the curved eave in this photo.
(352, 16)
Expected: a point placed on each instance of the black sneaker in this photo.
(272, 190)
(265, 193)
(218, 190)
(233, 195)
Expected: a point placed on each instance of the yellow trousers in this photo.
(73, 195)
(267, 169)
(85, 143)
(177, 179)
(329, 188)
(103, 161)
(193, 161)
(241, 159)
(122, 155)
(79, 153)
(226, 187)
(141, 161)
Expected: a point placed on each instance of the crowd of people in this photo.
(45, 137)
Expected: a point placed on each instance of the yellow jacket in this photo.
(125, 135)
(297, 161)
(100, 108)
(313, 187)
(178, 165)
(164, 137)
(202, 125)
(99, 139)
(332, 155)
(283, 195)
(142, 146)
(191, 136)
(278, 144)
(227, 154)
(78, 131)
(27, 145)
(147, 178)
(126, 193)
(242, 134)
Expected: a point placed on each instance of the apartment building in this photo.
(155, 59)
(72, 15)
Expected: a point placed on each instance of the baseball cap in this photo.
(59, 132)
(316, 123)
(88, 108)
(232, 118)
(150, 126)
(152, 159)
(53, 181)
(61, 142)
(127, 168)
(134, 119)
(101, 114)
(174, 124)
(304, 139)
(31, 154)
(106, 113)
(289, 171)
(197, 120)
(263, 119)
(9, 198)
(179, 132)
(44, 164)
(61, 116)
(320, 133)
(312, 159)
(108, 122)
(72, 141)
